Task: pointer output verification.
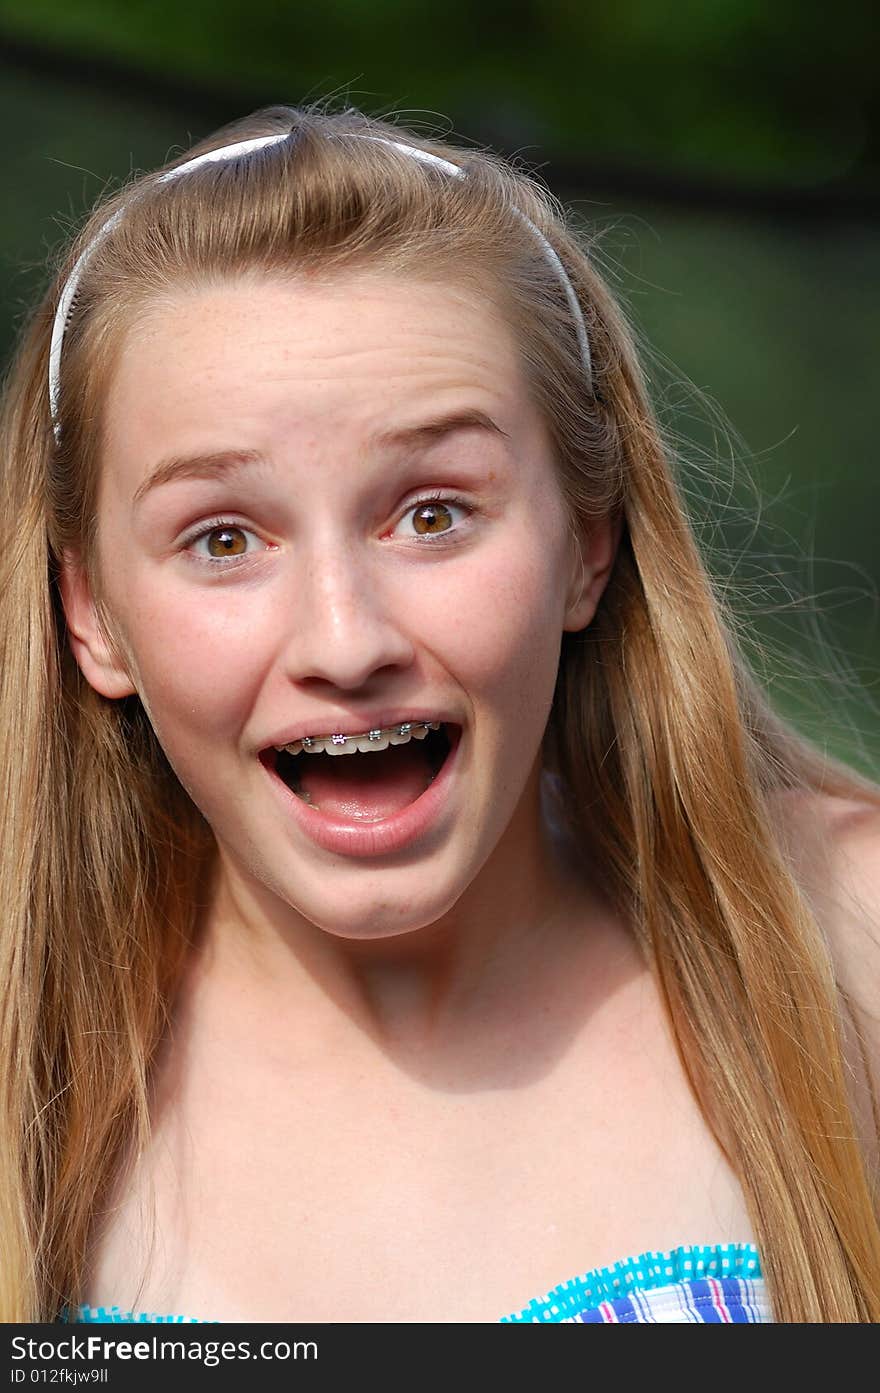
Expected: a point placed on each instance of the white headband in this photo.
(244, 147)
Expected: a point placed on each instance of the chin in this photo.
(371, 919)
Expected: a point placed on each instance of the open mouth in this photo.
(369, 784)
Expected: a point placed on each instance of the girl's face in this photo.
(272, 570)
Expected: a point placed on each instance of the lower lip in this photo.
(388, 834)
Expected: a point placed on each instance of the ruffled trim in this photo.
(647, 1272)
(114, 1315)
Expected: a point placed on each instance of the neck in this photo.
(411, 994)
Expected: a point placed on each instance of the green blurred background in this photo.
(728, 150)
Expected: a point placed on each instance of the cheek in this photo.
(199, 664)
(503, 626)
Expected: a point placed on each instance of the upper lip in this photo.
(322, 727)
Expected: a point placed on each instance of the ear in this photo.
(101, 666)
(594, 553)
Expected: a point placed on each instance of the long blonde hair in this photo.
(667, 753)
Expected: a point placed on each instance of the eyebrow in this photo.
(222, 462)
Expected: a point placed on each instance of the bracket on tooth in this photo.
(308, 742)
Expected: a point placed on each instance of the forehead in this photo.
(273, 358)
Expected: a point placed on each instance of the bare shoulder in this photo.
(856, 931)
(834, 844)
(834, 851)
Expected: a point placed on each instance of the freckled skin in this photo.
(372, 1060)
(340, 609)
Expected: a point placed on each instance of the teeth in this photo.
(370, 740)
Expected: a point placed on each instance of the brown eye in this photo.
(437, 515)
(431, 518)
(226, 541)
(219, 544)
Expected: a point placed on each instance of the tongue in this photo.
(366, 787)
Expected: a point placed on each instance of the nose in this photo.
(346, 623)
